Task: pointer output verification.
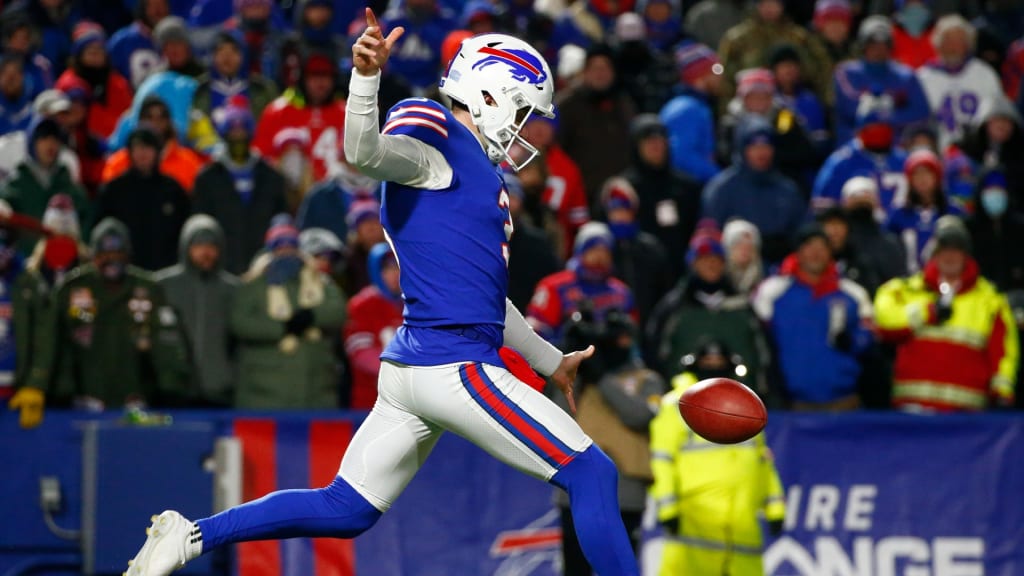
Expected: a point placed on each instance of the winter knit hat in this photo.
(875, 29)
(84, 33)
(810, 231)
(923, 157)
(590, 235)
(281, 233)
(233, 114)
(706, 241)
(321, 242)
(737, 229)
(360, 211)
(825, 10)
(755, 80)
(950, 232)
(859, 186)
(783, 53)
(170, 29)
(630, 27)
(696, 60)
(618, 193)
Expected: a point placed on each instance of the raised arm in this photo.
(395, 158)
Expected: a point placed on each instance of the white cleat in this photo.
(167, 546)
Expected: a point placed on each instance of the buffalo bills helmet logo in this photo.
(525, 67)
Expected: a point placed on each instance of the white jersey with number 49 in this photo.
(955, 95)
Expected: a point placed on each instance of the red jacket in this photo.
(911, 51)
(372, 321)
(1013, 69)
(318, 130)
(103, 114)
(565, 194)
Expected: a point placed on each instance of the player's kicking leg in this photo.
(384, 455)
(521, 427)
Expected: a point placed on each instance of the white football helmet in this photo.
(502, 80)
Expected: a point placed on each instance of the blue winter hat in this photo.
(233, 114)
(706, 242)
(590, 235)
(994, 179)
(755, 132)
(84, 33)
(281, 233)
(379, 257)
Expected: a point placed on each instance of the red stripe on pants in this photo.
(328, 441)
(259, 478)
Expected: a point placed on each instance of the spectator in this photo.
(365, 232)
(374, 314)
(263, 41)
(327, 203)
(228, 77)
(638, 258)
(594, 122)
(996, 231)
(15, 97)
(202, 293)
(564, 194)
(239, 190)
(747, 46)
(152, 205)
(53, 21)
(176, 161)
(478, 17)
(326, 250)
(615, 410)
(850, 263)
(13, 145)
(706, 305)
(531, 256)
(279, 316)
(171, 40)
(957, 347)
(669, 201)
(754, 190)
(118, 340)
(959, 177)
(996, 139)
(521, 19)
(881, 252)
(794, 94)
(755, 101)
(417, 54)
(914, 222)
(20, 41)
(710, 497)
(89, 149)
(876, 81)
(817, 323)
(872, 153)
(912, 33)
(105, 93)
(52, 258)
(40, 176)
(586, 285)
(189, 126)
(301, 131)
(314, 33)
(645, 73)
(957, 82)
(833, 20)
(743, 263)
(689, 117)
(708, 20)
(132, 52)
(11, 266)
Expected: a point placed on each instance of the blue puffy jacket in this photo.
(689, 119)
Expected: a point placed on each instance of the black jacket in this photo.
(531, 258)
(153, 208)
(642, 264)
(244, 223)
(669, 210)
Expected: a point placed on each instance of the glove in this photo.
(943, 311)
(299, 322)
(671, 525)
(30, 401)
(775, 527)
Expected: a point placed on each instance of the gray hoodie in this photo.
(203, 301)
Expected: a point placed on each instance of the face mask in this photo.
(624, 230)
(60, 252)
(293, 166)
(915, 18)
(994, 201)
(283, 269)
(317, 36)
(593, 274)
(112, 270)
(256, 25)
(876, 137)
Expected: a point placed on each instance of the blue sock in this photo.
(336, 511)
(592, 483)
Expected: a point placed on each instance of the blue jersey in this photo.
(451, 244)
(851, 159)
(133, 54)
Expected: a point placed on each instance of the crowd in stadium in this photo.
(822, 199)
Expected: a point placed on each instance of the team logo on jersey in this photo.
(525, 67)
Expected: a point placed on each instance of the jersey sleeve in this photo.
(419, 118)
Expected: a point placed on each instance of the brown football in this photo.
(723, 411)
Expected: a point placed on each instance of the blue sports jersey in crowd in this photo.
(854, 78)
(851, 159)
(416, 56)
(451, 244)
(133, 54)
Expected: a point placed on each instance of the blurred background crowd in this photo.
(823, 199)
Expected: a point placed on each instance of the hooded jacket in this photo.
(203, 301)
(669, 201)
(995, 242)
(985, 154)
